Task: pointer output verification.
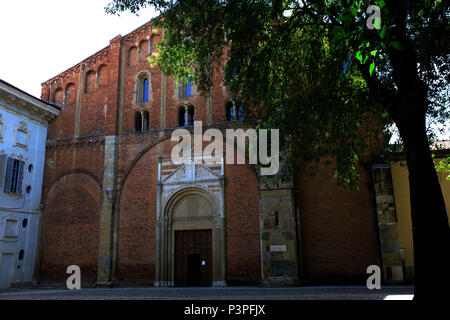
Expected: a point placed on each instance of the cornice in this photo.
(25, 106)
(61, 144)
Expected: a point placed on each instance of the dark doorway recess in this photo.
(193, 258)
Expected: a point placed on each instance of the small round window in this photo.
(30, 168)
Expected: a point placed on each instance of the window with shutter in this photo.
(240, 115)
(191, 116)
(182, 91)
(146, 121)
(3, 158)
(145, 97)
(8, 175)
(185, 89)
(188, 89)
(19, 185)
(142, 88)
(13, 181)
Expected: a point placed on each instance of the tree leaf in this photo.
(383, 32)
(359, 56)
(371, 68)
(365, 59)
(397, 45)
(381, 3)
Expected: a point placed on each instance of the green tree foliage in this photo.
(316, 71)
(443, 166)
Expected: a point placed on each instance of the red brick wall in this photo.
(99, 104)
(130, 77)
(72, 200)
(98, 100)
(94, 102)
(338, 231)
(219, 98)
(63, 126)
(63, 157)
(242, 224)
(137, 222)
(172, 100)
(71, 228)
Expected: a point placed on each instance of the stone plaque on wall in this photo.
(278, 248)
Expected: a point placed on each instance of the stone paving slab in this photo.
(222, 293)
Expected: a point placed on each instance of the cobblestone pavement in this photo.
(212, 293)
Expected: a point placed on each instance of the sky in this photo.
(42, 38)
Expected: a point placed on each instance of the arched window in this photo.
(240, 113)
(132, 56)
(146, 121)
(70, 95)
(185, 89)
(181, 117)
(58, 97)
(229, 111)
(90, 82)
(138, 121)
(143, 86)
(102, 76)
(143, 50)
(191, 116)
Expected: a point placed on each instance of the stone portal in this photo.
(191, 196)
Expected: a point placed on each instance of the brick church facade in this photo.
(114, 204)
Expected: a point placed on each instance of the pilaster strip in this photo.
(79, 95)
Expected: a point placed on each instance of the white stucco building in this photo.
(24, 121)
